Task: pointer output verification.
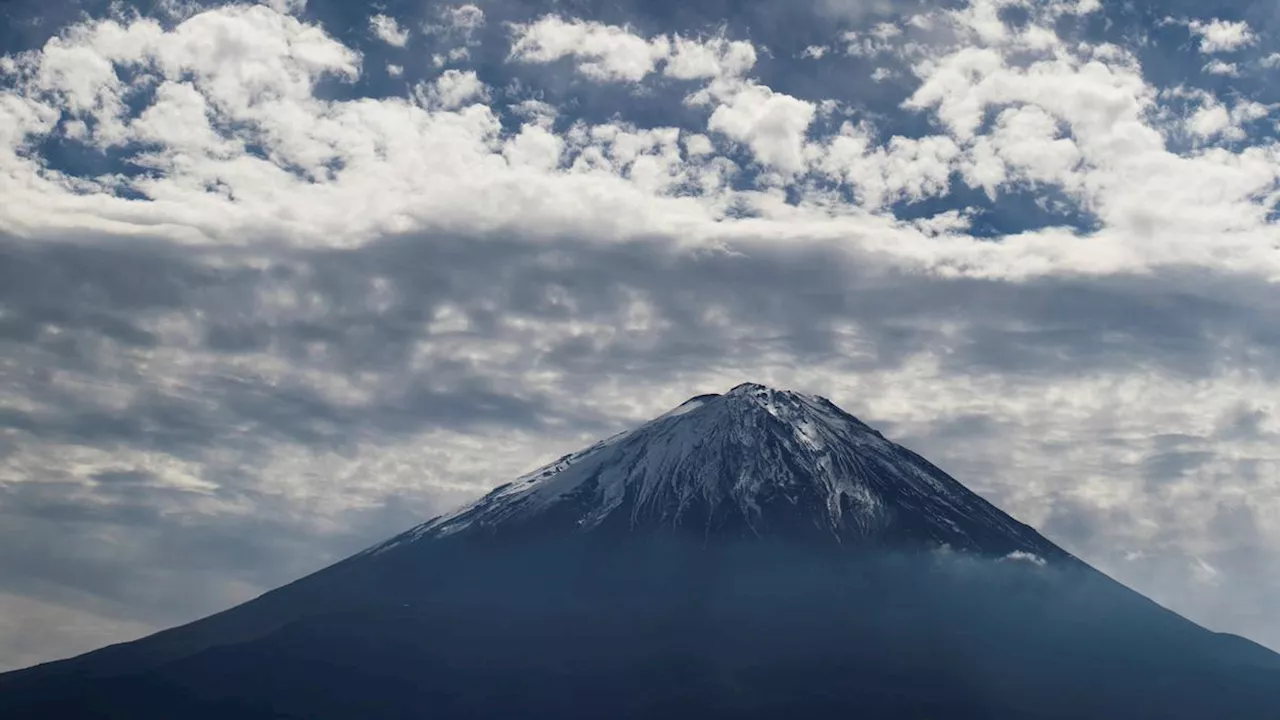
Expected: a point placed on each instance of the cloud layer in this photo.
(264, 301)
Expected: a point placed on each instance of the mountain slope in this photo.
(742, 556)
(752, 462)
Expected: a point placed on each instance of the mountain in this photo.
(745, 555)
(754, 462)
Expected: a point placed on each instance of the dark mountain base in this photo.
(676, 629)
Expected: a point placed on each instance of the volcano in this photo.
(751, 554)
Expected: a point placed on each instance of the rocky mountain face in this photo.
(745, 555)
(754, 462)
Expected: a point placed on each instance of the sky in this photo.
(280, 280)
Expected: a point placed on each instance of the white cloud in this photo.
(1126, 175)
(1222, 35)
(468, 17)
(698, 145)
(1220, 67)
(388, 30)
(603, 52)
(1213, 119)
(772, 124)
(1203, 572)
(395, 70)
(713, 58)
(455, 55)
(816, 52)
(534, 148)
(879, 40)
(464, 20)
(454, 33)
(1104, 152)
(1209, 120)
(452, 90)
(614, 53)
(539, 112)
(1031, 143)
(909, 169)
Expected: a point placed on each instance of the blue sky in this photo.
(279, 280)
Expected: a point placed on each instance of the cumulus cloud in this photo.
(252, 322)
(1211, 118)
(1222, 35)
(461, 20)
(615, 53)
(452, 90)
(453, 33)
(388, 30)
(905, 169)
(1221, 67)
(712, 58)
(603, 52)
(877, 41)
(772, 124)
(1022, 556)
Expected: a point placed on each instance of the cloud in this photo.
(1222, 35)
(1099, 108)
(454, 33)
(603, 52)
(1020, 556)
(613, 53)
(461, 20)
(879, 40)
(773, 125)
(906, 170)
(1213, 119)
(712, 58)
(388, 30)
(452, 90)
(1220, 67)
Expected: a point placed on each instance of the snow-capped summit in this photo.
(752, 462)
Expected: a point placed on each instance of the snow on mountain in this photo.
(754, 461)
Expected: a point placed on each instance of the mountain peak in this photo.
(764, 393)
(750, 388)
(767, 397)
(753, 462)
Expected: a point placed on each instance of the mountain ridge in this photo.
(719, 460)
